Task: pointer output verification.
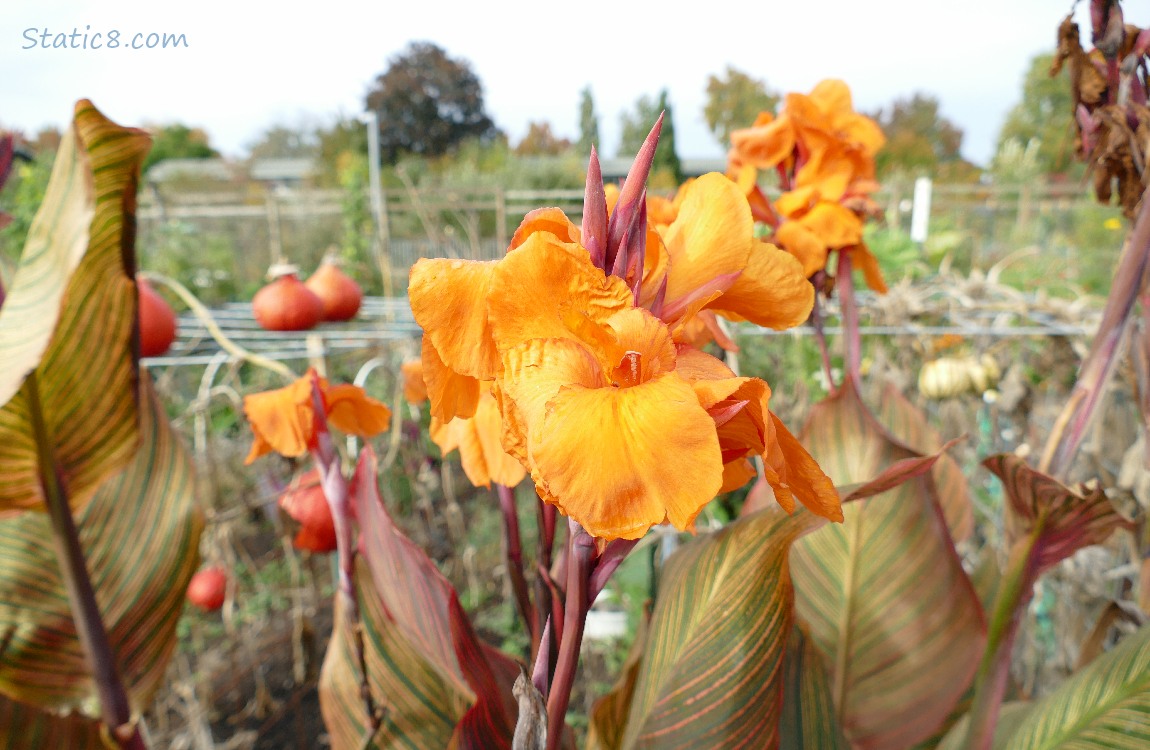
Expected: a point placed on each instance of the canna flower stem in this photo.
(850, 313)
(513, 553)
(335, 489)
(820, 334)
(580, 563)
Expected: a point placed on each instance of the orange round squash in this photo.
(340, 295)
(157, 322)
(286, 304)
(207, 588)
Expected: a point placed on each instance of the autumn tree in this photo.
(177, 141)
(427, 103)
(1044, 115)
(588, 123)
(919, 140)
(540, 141)
(637, 123)
(284, 141)
(734, 101)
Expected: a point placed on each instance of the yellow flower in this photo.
(285, 420)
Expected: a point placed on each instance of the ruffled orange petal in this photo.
(551, 220)
(692, 365)
(540, 283)
(660, 211)
(478, 441)
(795, 203)
(832, 96)
(804, 244)
(533, 373)
(452, 395)
(793, 473)
(654, 267)
(449, 302)
(620, 460)
(834, 224)
(863, 259)
(830, 168)
(283, 420)
(414, 389)
(772, 291)
(766, 143)
(710, 239)
(351, 410)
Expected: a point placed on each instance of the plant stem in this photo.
(335, 491)
(844, 283)
(513, 557)
(1014, 592)
(114, 706)
(821, 336)
(547, 602)
(1094, 374)
(580, 563)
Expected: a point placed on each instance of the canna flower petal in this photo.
(284, 420)
(540, 285)
(478, 441)
(598, 426)
(414, 389)
(709, 240)
(623, 485)
(772, 291)
(793, 473)
(766, 143)
(805, 245)
(449, 302)
(452, 395)
(551, 220)
(351, 410)
(864, 260)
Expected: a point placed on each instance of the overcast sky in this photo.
(249, 65)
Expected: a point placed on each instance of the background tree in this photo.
(284, 141)
(1045, 114)
(734, 101)
(588, 123)
(920, 141)
(540, 141)
(177, 141)
(666, 167)
(427, 103)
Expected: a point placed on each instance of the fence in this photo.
(223, 242)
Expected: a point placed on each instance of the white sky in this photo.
(251, 64)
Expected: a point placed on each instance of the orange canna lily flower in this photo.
(580, 329)
(285, 420)
(414, 389)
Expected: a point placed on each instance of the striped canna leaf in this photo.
(609, 715)
(712, 672)
(27, 727)
(808, 709)
(908, 424)
(883, 595)
(1045, 522)
(1106, 705)
(439, 684)
(140, 536)
(70, 317)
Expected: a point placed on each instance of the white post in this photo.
(378, 204)
(920, 214)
